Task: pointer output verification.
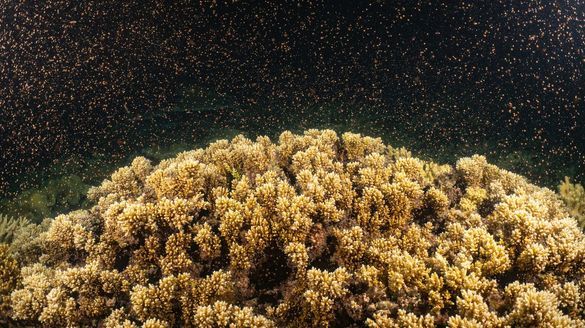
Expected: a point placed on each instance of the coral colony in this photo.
(315, 230)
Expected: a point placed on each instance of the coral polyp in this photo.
(314, 230)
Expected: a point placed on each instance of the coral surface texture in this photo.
(314, 230)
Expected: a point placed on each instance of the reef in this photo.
(314, 230)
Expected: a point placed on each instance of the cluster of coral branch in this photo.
(315, 230)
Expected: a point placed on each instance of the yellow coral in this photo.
(27, 242)
(155, 301)
(314, 230)
(323, 290)
(221, 314)
(533, 308)
(297, 253)
(209, 244)
(126, 182)
(10, 226)
(8, 279)
(351, 247)
(358, 147)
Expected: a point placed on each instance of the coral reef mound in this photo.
(315, 230)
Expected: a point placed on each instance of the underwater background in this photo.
(324, 163)
(88, 85)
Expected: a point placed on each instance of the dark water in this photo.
(88, 85)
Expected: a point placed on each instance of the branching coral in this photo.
(27, 242)
(10, 226)
(8, 280)
(315, 230)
